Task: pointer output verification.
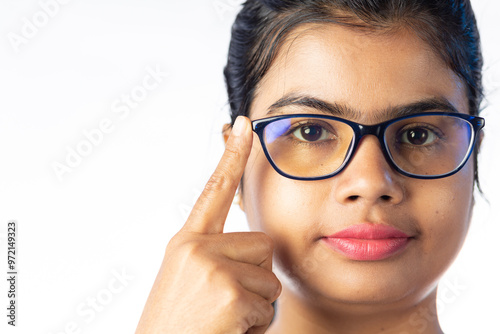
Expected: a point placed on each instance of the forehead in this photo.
(368, 72)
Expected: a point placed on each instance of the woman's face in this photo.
(373, 75)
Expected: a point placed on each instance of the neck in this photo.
(297, 315)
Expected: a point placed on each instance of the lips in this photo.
(368, 242)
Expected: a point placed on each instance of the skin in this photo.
(215, 282)
(209, 281)
(324, 292)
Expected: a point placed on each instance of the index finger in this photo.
(211, 209)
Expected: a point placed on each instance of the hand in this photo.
(210, 281)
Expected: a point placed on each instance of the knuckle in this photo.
(242, 326)
(232, 151)
(177, 240)
(234, 298)
(216, 272)
(275, 285)
(263, 308)
(277, 288)
(192, 247)
(266, 242)
(268, 311)
(249, 311)
(250, 320)
(220, 180)
(261, 311)
(191, 250)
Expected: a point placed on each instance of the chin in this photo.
(358, 285)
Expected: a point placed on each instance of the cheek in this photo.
(285, 209)
(445, 208)
(275, 204)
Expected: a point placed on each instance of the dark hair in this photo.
(447, 26)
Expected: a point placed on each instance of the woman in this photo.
(357, 180)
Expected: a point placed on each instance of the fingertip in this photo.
(239, 129)
(240, 138)
(239, 126)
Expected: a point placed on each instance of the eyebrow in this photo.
(344, 111)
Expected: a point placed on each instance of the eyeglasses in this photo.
(427, 145)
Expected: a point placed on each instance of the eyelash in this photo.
(298, 125)
(439, 135)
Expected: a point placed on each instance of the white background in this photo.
(117, 208)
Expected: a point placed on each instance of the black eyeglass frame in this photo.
(361, 130)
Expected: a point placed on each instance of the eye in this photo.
(418, 136)
(311, 133)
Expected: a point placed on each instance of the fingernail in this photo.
(239, 126)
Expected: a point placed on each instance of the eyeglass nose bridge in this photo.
(377, 130)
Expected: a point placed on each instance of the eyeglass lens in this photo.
(314, 147)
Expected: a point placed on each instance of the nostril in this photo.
(385, 198)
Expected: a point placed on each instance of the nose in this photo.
(369, 178)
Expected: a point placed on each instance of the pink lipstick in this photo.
(368, 242)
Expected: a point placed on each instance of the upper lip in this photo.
(370, 231)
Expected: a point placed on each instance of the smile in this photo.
(368, 242)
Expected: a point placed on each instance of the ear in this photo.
(238, 198)
(226, 130)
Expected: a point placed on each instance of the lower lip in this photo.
(367, 249)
